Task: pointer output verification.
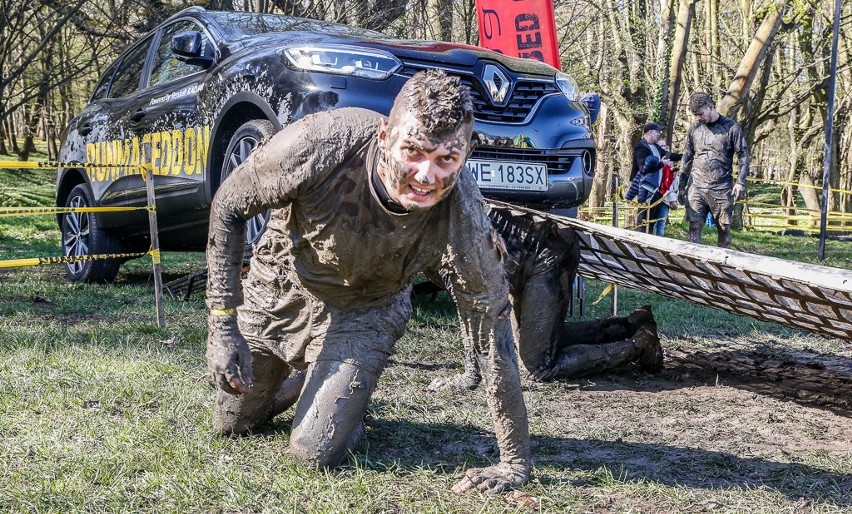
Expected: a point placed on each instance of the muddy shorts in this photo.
(717, 200)
(281, 318)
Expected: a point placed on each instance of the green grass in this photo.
(101, 411)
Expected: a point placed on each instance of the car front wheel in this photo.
(82, 236)
(243, 143)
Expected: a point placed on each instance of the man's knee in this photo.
(230, 417)
(238, 414)
(313, 455)
(328, 422)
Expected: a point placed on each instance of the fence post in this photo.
(148, 177)
(615, 184)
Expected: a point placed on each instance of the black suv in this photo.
(192, 98)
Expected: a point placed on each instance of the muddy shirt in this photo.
(330, 227)
(709, 154)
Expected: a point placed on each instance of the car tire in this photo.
(243, 143)
(82, 235)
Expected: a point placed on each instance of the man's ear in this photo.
(471, 146)
(382, 133)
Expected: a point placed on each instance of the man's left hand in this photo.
(739, 191)
(493, 479)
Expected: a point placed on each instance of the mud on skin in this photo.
(341, 317)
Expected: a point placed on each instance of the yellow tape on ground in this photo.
(26, 211)
(67, 259)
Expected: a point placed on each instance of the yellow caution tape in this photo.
(607, 290)
(25, 211)
(67, 259)
(223, 312)
(53, 165)
(155, 255)
(797, 184)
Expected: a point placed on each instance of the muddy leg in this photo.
(588, 359)
(694, 235)
(289, 391)
(329, 414)
(723, 233)
(589, 347)
(539, 313)
(596, 331)
(467, 380)
(238, 414)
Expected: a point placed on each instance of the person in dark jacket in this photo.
(646, 146)
(645, 188)
(706, 181)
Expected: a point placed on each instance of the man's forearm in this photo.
(505, 398)
(743, 162)
(225, 250)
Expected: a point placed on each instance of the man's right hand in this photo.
(228, 355)
(681, 196)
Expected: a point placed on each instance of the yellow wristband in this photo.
(223, 312)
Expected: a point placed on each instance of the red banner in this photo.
(520, 28)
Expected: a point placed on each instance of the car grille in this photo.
(557, 161)
(525, 95)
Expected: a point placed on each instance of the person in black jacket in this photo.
(646, 146)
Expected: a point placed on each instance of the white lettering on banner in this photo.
(505, 175)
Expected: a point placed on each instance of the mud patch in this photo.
(805, 377)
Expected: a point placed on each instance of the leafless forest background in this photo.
(765, 61)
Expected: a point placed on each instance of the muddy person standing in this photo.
(360, 205)
(706, 180)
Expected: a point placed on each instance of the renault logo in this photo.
(496, 82)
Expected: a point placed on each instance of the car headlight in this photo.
(567, 86)
(371, 64)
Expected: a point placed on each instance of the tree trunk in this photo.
(598, 196)
(664, 52)
(808, 190)
(713, 53)
(12, 130)
(686, 10)
(750, 63)
(440, 16)
(3, 149)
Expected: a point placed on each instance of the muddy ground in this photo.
(730, 425)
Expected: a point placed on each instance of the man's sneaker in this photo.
(646, 339)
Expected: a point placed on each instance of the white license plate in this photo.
(509, 175)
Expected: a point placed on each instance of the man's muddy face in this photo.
(417, 168)
(706, 114)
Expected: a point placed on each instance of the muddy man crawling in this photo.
(360, 205)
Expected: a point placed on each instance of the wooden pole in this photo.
(829, 128)
(615, 184)
(148, 177)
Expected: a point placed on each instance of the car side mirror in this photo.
(187, 47)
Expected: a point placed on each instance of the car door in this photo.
(162, 128)
(103, 125)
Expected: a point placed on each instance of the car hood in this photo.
(438, 52)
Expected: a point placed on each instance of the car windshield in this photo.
(241, 24)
